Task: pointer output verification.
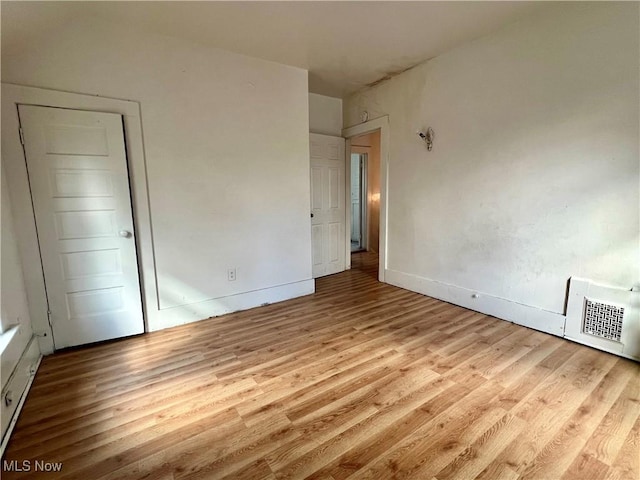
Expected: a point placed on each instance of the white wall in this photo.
(13, 297)
(325, 115)
(533, 177)
(226, 140)
(19, 352)
(13, 294)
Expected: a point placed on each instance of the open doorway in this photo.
(365, 193)
(372, 139)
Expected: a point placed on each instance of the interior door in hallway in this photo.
(356, 221)
(79, 181)
(328, 211)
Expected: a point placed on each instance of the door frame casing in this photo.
(382, 124)
(14, 166)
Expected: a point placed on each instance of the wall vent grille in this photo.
(603, 320)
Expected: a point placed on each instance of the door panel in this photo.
(76, 140)
(328, 220)
(79, 180)
(334, 188)
(316, 187)
(334, 242)
(77, 183)
(317, 246)
(90, 264)
(81, 225)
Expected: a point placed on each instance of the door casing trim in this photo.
(382, 124)
(14, 166)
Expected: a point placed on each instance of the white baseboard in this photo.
(525, 315)
(183, 314)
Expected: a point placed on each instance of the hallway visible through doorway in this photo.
(358, 201)
(364, 184)
(366, 262)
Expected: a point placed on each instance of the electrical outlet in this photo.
(231, 274)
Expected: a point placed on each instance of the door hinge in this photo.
(21, 135)
(49, 317)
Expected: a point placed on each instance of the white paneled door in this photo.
(79, 180)
(328, 218)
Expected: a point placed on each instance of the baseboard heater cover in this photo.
(604, 317)
(16, 389)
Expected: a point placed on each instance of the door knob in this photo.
(124, 233)
(311, 215)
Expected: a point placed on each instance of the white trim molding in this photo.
(382, 124)
(521, 314)
(232, 303)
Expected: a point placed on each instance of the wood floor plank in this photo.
(608, 439)
(409, 396)
(475, 457)
(585, 467)
(549, 462)
(627, 464)
(551, 410)
(359, 380)
(386, 439)
(427, 450)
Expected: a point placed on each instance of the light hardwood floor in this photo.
(360, 380)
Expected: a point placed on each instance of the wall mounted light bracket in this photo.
(427, 137)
